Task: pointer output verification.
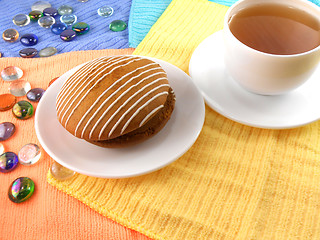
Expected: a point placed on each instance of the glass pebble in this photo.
(46, 21)
(35, 94)
(58, 28)
(59, 172)
(7, 129)
(29, 39)
(23, 110)
(7, 101)
(68, 35)
(105, 11)
(19, 88)
(117, 25)
(28, 52)
(21, 189)
(8, 162)
(40, 6)
(47, 52)
(50, 12)
(68, 19)
(52, 81)
(65, 9)
(11, 73)
(21, 20)
(29, 154)
(80, 28)
(83, 0)
(10, 35)
(35, 15)
(1, 148)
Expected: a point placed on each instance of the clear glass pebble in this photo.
(29, 39)
(46, 21)
(68, 19)
(28, 52)
(68, 35)
(7, 129)
(81, 28)
(35, 15)
(58, 28)
(11, 73)
(21, 20)
(23, 110)
(117, 25)
(40, 6)
(65, 9)
(21, 189)
(1, 149)
(35, 94)
(29, 154)
(50, 12)
(105, 11)
(59, 172)
(8, 162)
(7, 101)
(19, 88)
(10, 35)
(47, 52)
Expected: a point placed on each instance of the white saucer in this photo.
(170, 143)
(225, 96)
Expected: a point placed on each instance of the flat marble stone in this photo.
(65, 9)
(11, 73)
(58, 28)
(59, 172)
(46, 21)
(117, 25)
(10, 35)
(50, 12)
(21, 189)
(81, 28)
(19, 88)
(21, 20)
(29, 154)
(7, 129)
(7, 101)
(68, 35)
(8, 162)
(68, 19)
(35, 15)
(105, 11)
(40, 6)
(28, 52)
(47, 52)
(52, 81)
(23, 110)
(29, 39)
(35, 94)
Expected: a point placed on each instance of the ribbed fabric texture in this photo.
(144, 13)
(236, 182)
(49, 214)
(98, 37)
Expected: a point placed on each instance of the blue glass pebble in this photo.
(35, 94)
(7, 129)
(105, 11)
(68, 19)
(29, 39)
(68, 35)
(50, 12)
(8, 161)
(58, 28)
(28, 52)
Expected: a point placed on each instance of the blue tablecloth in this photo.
(99, 36)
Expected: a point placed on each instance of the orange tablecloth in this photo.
(49, 213)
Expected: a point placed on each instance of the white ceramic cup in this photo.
(263, 73)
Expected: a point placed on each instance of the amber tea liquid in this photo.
(276, 29)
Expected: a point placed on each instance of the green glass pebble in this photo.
(65, 9)
(81, 28)
(23, 110)
(117, 25)
(21, 189)
(21, 20)
(35, 15)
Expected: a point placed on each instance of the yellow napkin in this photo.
(236, 182)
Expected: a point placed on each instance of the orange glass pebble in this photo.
(10, 35)
(52, 81)
(7, 101)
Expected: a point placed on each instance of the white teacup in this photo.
(264, 73)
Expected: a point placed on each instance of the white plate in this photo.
(225, 96)
(170, 143)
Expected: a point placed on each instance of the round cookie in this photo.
(114, 99)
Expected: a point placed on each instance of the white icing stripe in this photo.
(99, 80)
(110, 96)
(78, 73)
(111, 105)
(140, 108)
(73, 91)
(150, 114)
(105, 91)
(128, 110)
